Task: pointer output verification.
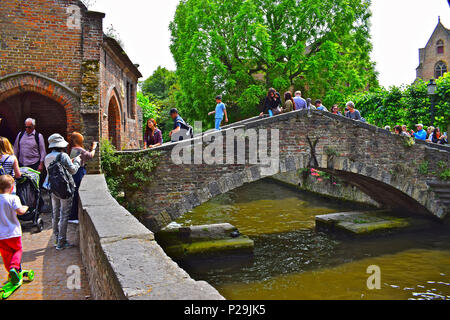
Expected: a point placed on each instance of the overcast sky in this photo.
(399, 29)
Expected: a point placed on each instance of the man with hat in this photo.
(61, 207)
(420, 134)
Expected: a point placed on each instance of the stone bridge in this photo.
(396, 173)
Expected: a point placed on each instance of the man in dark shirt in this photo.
(181, 130)
(272, 103)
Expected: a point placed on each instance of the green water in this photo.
(292, 261)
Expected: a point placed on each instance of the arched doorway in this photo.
(114, 122)
(50, 115)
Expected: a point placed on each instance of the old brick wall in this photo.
(114, 78)
(35, 37)
(52, 48)
(379, 163)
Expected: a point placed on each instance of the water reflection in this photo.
(292, 261)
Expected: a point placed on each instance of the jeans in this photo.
(78, 177)
(218, 123)
(60, 218)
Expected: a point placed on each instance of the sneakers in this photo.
(66, 245)
(15, 277)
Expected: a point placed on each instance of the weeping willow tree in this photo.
(241, 48)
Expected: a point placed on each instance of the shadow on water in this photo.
(289, 253)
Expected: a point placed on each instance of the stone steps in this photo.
(442, 190)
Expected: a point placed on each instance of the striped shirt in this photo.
(8, 164)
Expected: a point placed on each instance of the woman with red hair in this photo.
(76, 148)
(153, 136)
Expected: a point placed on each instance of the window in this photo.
(130, 99)
(440, 47)
(440, 69)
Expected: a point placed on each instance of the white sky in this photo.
(399, 29)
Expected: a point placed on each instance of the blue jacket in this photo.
(421, 135)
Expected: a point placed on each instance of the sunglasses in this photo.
(28, 127)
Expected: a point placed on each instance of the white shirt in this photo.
(9, 223)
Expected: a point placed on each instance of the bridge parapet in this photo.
(389, 168)
(122, 260)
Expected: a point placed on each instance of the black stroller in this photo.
(29, 192)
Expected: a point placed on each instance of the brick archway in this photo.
(114, 123)
(18, 85)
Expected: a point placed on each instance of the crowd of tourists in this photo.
(432, 134)
(273, 105)
(61, 172)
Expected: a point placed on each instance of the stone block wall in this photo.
(121, 257)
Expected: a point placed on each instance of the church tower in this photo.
(434, 59)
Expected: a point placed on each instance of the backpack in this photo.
(186, 132)
(61, 181)
(2, 168)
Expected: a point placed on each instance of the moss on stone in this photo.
(90, 80)
(207, 248)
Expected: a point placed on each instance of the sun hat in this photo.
(419, 125)
(57, 141)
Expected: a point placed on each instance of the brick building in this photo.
(434, 59)
(57, 65)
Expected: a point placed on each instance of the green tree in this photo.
(241, 48)
(159, 83)
(407, 105)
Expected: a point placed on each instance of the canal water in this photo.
(292, 261)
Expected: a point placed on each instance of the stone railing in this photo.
(121, 257)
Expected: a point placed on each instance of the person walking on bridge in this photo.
(220, 112)
(420, 134)
(30, 147)
(352, 112)
(272, 103)
(289, 104)
(300, 103)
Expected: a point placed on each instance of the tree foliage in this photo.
(408, 105)
(241, 48)
(157, 97)
(159, 83)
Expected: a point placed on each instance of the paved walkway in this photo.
(50, 266)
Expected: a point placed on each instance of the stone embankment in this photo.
(122, 259)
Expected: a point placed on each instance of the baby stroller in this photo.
(28, 191)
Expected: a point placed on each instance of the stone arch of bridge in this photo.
(384, 166)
